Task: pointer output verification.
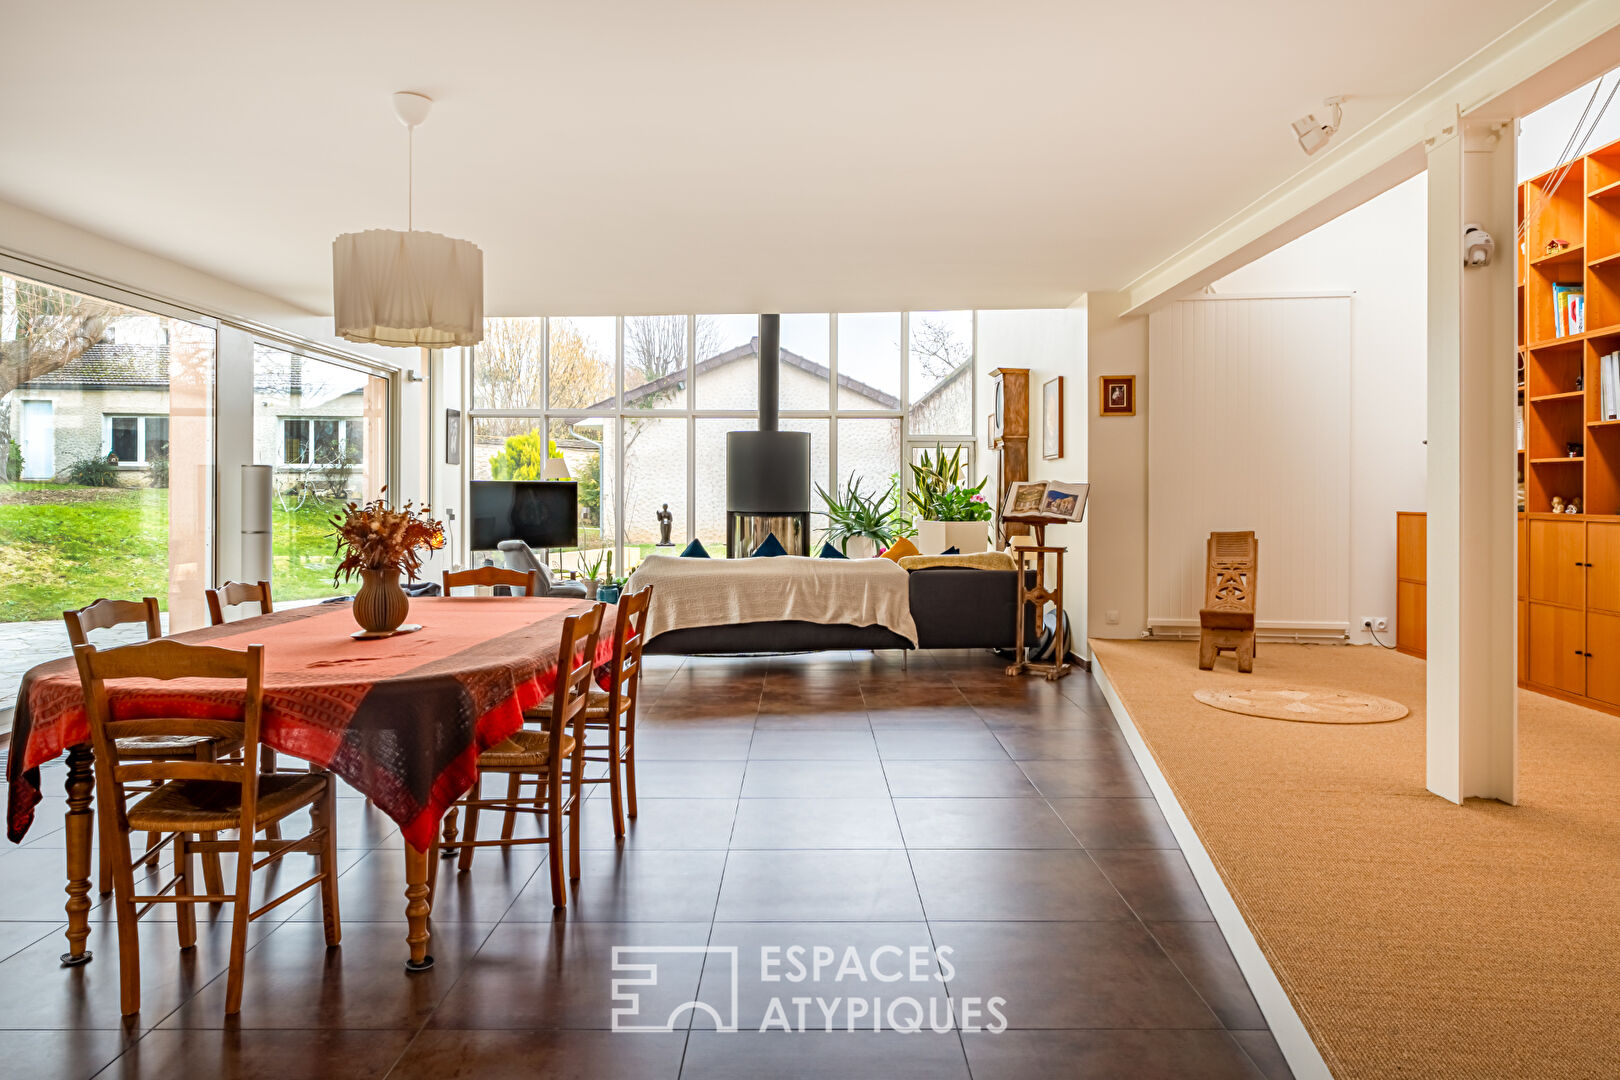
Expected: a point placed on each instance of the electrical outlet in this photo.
(1374, 622)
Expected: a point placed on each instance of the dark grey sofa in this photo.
(954, 608)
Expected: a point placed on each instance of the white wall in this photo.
(1377, 252)
(1050, 343)
(1117, 534)
(1545, 133)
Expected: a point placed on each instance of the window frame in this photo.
(343, 423)
(691, 411)
(141, 462)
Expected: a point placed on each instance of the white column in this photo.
(1472, 655)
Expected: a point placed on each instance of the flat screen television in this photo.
(541, 513)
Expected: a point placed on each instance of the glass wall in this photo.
(323, 428)
(106, 456)
(638, 408)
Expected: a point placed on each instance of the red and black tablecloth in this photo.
(402, 719)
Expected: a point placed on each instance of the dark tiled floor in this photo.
(881, 844)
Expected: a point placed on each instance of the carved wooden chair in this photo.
(527, 580)
(103, 615)
(537, 756)
(237, 592)
(195, 800)
(1226, 621)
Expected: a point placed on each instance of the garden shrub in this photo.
(93, 472)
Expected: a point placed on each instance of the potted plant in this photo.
(379, 542)
(946, 512)
(858, 524)
(610, 592)
(592, 564)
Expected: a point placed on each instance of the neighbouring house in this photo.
(314, 421)
(655, 446)
(112, 399)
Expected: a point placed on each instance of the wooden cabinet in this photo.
(1411, 589)
(1603, 657)
(1603, 567)
(1558, 562)
(1558, 647)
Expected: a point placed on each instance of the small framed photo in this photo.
(1118, 395)
(1052, 419)
(452, 436)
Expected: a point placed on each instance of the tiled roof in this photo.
(110, 366)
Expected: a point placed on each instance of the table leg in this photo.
(81, 786)
(417, 907)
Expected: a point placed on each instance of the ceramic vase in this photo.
(381, 604)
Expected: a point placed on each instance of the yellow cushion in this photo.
(900, 549)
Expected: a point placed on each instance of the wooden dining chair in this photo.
(237, 592)
(104, 615)
(613, 713)
(195, 800)
(528, 581)
(538, 756)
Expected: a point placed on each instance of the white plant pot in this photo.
(967, 537)
(861, 547)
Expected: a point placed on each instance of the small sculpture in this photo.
(1575, 449)
(1574, 506)
(1558, 504)
(665, 521)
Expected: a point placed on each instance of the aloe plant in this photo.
(875, 516)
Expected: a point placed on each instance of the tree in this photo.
(523, 457)
(43, 329)
(938, 347)
(509, 362)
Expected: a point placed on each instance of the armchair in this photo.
(521, 558)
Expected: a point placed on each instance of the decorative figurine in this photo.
(665, 521)
(1558, 504)
(1575, 449)
(1580, 382)
(1574, 506)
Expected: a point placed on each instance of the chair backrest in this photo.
(107, 613)
(629, 635)
(494, 575)
(1232, 571)
(165, 660)
(576, 664)
(236, 592)
(521, 557)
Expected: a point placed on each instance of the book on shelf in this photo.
(1569, 309)
(1609, 386)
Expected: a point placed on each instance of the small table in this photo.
(1039, 596)
(401, 719)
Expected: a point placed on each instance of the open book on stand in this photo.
(1048, 501)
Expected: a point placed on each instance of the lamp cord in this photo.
(410, 179)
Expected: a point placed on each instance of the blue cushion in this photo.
(953, 550)
(770, 549)
(694, 550)
(830, 552)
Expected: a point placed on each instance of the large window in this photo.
(106, 463)
(323, 426)
(638, 408)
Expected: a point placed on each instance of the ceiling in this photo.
(705, 156)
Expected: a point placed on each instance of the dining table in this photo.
(401, 719)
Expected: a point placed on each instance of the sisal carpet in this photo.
(1416, 938)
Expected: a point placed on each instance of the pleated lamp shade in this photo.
(407, 289)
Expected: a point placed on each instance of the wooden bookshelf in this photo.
(1570, 450)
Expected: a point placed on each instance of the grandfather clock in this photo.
(1009, 438)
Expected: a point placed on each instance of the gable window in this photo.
(309, 440)
(135, 440)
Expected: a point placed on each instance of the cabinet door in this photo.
(1524, 558)
(1412, 617)
(1603, 666)
(1558, 562)
(1524, 641)
(1558, 648)
(1411, 547)
(1603, 576)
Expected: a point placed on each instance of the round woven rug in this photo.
(1305, 706)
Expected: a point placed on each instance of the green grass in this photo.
(63, 546)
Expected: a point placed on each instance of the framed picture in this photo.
(1118, 395)
(1052, 418)
(452, 436)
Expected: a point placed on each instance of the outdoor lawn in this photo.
(62, 546)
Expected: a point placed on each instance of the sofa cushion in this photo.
(769, 548)
(830, 552)
(900, 549)
(694, 550)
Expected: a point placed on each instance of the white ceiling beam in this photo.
(1511, 76)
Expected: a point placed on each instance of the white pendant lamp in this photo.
(408, 289)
